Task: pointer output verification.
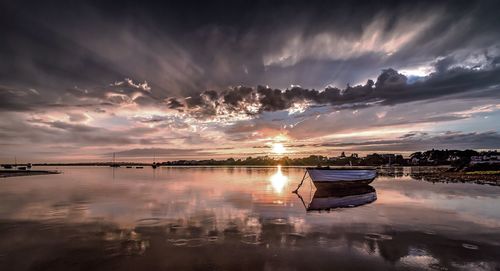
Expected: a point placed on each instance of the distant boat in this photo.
(139, 167)
(21, 168)
(114, 164)
(326, 177)
(129, 166)
(154, 165)
(7, 166)
(326, 199)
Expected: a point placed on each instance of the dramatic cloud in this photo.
(150, 153)
(390, 88)
(422, 141)
(83, 79)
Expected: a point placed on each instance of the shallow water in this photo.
(99, 218)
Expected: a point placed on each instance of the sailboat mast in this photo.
(154, 165)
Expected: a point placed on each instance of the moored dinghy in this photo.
(326, 177)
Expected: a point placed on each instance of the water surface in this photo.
(99, 218)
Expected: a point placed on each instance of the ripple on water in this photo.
(377, 236)
(179, 242)
(251, 239)
(124, 243)
(188, 242)
(212, 238)
(444, 227)
(134, 247)
(322, 241)
(152, 221)
(470, 246)
(296, 235)
(196, 242)
(278, 221)
(176, 226)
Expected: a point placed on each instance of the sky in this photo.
(80, 80)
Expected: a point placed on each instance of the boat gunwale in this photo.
(341, 168)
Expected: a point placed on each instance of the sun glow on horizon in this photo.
(278, 148)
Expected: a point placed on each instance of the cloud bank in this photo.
(83, 79)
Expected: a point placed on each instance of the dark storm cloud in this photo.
(16, 99)
(422, 141)
(19, 131)
(173, 103)
(390, 88)
(77, 117)
(161, 152)
(413, 134)
(184, 48)
(120, 92)
(116, 93)
(74, 128)
(152, 119)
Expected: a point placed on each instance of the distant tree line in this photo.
(456, 158)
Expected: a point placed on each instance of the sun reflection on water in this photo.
(278, 181)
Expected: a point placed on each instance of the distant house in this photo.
(332, 159)
(388, 156)
(485, 159)
(415, 160)
(452, 158)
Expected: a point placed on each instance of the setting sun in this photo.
(278, 148)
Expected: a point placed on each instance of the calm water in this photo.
(98, 218)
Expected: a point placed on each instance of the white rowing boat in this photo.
(326, 177)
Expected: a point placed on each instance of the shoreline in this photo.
(4, 173)
(458, 177)
(427, 173)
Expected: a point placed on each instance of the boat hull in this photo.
(323, 185)
(330, 178)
